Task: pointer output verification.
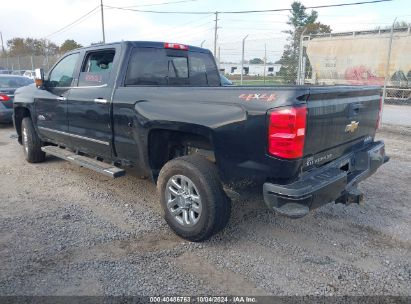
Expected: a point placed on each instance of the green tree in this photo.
(298, 21)
(52, 48)
(69, 45)
(30, 46)
(17, 47)
(256, 61)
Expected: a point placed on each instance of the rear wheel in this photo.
(31, 142)
(192, 197)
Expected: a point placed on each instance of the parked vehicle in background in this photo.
(8, 85)
(29, 74)
(161, 108)
(7, 72)
(19, 72)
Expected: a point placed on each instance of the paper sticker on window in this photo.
(93, 77)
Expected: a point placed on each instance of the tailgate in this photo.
(340, 119)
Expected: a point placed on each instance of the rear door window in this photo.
(203, 70)
(96, 68)
(177, 67)
(150, 66)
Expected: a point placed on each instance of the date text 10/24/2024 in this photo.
(204, 299)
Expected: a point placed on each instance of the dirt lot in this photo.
(65, 230)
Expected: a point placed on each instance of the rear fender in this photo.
(219, 123)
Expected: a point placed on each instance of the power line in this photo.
(234, 50)
(164, 3)
(81, 21)
(307, 7)
(93, 11)
(88, 14)
(246, 12)
(185, 36)
(276, 38)
(78, 20)
(171, 29)
(158, 12)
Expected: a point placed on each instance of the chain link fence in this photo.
(369, 57)
(258, 59)
(22, 63)
(366, 57)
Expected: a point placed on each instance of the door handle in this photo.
(100, 100)
(61, 98)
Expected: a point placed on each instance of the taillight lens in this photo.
(286, 132)
(379, 115)
(4, 97)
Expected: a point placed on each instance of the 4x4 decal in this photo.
(262, 97)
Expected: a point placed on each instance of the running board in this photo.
(84, 161)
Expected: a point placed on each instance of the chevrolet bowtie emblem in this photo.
(351, 127)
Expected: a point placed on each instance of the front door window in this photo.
(62, 74)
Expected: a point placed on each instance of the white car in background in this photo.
(29, 74)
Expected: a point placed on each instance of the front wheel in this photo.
(192, 197)
(31, 142)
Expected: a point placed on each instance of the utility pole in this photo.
(387, 68)
(3, 50)
(300, 78)
(265, 59)
(215, 34)
(219, 56)
(47, 55)
(102, 20)
(242, 60)
(202, 42)
(2, 44)
(47, 59)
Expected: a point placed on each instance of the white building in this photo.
(249, 69)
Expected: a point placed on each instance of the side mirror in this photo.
(39, 77)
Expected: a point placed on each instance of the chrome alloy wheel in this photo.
(25, 140)
(183, 200)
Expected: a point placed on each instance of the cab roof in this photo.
(148, 44)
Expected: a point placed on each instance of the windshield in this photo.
(14, 82)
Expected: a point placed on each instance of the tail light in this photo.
(286, 132)
(378, 125)
(4, 98)
(176, 46)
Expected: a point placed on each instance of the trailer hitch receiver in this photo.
(351, 196)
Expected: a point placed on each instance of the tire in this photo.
(206, 198)
(31, 142)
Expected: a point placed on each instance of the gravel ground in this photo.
(65, 230)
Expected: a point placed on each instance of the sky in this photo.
(44, 19)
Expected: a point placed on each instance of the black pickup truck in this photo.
(160, 108)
